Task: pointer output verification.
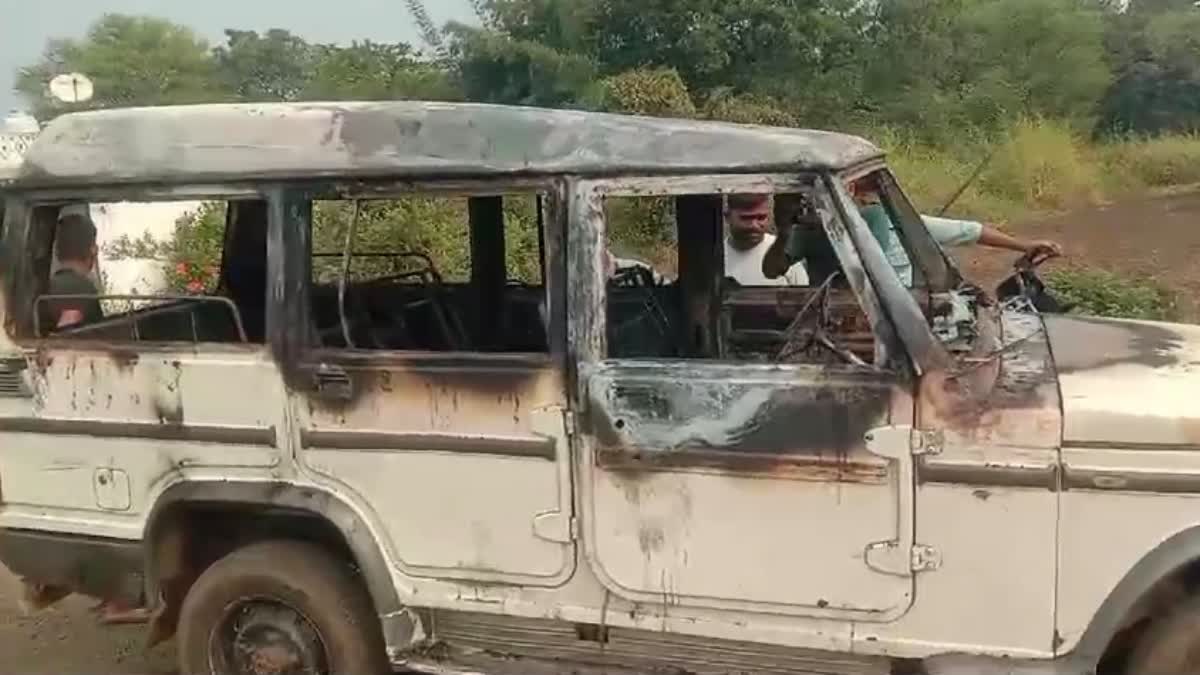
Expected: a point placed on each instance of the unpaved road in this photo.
(66, 640)
(1154, 237)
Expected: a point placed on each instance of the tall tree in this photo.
(133, 60)
(496, 68)
(374, 71)
(274, 66)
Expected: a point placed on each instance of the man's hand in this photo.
(1044, 247)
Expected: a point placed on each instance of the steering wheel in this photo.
(1025, 284)
(642, 278)
(634, 276)
(799, 338)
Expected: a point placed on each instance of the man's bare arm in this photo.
(994, 238)
(775, 261)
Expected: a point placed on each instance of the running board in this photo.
(468, 643)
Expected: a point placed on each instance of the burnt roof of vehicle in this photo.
(201, 143)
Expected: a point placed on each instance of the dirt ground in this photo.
(1156, 237)
(66, 640)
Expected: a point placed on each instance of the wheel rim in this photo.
(266, 637)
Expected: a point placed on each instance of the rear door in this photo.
(97, 420)
(431, 392)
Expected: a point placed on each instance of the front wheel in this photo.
(1171, 645)
(279, 608)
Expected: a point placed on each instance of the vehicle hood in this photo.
(1127, 383)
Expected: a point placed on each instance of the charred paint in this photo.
(635, 465)
(475, 376)
(268, 141)
(1005, 389)
(718, 417)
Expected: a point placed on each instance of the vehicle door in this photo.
(98, 418)
(431, 390)
(710, 480)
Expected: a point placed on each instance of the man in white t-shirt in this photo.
(748, 238)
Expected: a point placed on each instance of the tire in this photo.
(280, 602)
(1171, 645)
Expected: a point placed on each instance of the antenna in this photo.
(71, 88)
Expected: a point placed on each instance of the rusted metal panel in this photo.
(531, 447)
(1002, 395)
(416, 430)
(672, 408)
(278, 141)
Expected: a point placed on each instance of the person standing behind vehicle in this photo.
(748, 240)
(75, 242)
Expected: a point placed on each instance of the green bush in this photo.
(1157, 162)
(1096, 292)
(657, 91)
(1043, 164)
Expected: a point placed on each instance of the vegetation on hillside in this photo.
(1069, 101)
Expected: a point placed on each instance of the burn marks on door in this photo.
(740, 418)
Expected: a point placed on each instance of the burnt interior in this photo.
(703, 314)
(406, 304)
(234, 312)
(401, 297)
(397, 298)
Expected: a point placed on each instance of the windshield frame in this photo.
(933, 270)
(912, 326)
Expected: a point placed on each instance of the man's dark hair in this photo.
(76, 237)
(747, 200)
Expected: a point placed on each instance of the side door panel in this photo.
(104, 428)
(744, 487)
(463, 460)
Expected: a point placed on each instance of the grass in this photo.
(1037, 165)
(1040, 165)
(1098, 292)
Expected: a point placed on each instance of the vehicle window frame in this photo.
(933, 270)
(18, 278)
(298, 199)
(589, 322)
(910, 323)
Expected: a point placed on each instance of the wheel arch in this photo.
(339, 516)
(1175, 557)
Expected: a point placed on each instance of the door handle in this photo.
(333, 383)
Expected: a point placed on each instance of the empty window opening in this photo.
(430, 273)
(713, 276)
(166, 271)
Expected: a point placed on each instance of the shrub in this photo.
(1098, 292)
(1043, 164)
(657, 91)
(1156, 162)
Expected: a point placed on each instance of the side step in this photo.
(500, 645)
